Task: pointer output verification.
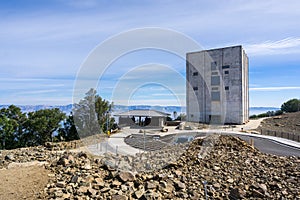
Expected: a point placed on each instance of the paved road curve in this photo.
(267, 145)
(272, 147)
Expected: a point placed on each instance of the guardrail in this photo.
(281, 134)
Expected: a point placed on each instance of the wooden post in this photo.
(251, 141)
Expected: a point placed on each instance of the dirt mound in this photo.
(289, 122)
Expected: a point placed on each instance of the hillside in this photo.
(232, 169)
(289, 122)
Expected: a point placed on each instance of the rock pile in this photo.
(29, 154)
(232, 169)
(59, 146)
(90, 140)
(145, 161)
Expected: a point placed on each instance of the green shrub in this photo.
(292, 105)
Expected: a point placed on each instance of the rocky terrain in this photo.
(288, 122)
(219, 167)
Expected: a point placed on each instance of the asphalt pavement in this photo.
(272, 147)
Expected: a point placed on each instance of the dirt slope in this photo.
(289, 122)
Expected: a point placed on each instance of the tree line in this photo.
(88, 117)
(19, 129)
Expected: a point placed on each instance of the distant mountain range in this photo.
(30, 108)
(121, 108)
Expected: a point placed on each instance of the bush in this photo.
(253, 117)
(292, 105)
(278, 112)
(263, 115)
(267, 114)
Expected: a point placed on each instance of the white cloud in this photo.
(38, 92)
(24, 79)
(273, 88)
(168, 94)
(284, 46)
(148, 72)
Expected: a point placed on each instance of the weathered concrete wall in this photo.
(217, 86)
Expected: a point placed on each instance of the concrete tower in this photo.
(218, 86)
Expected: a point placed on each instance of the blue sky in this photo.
(44, 43)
